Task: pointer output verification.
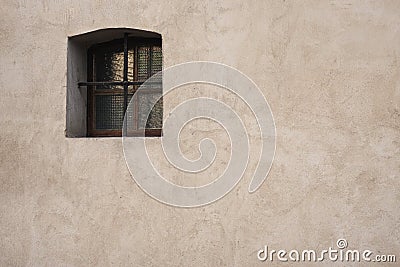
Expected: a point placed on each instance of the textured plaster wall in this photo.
(331, 73)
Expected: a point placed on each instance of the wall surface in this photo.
(330, 71)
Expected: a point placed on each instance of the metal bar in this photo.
(125, 71)
(135, 98)
(110, 92)
(90, 101)
(150, 62)
(115, 83)
(125, 77)
(99, 83)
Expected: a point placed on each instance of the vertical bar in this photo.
(150, 62)
(125, 71)
(125, 76)
(89, 93)
(149, 70)
(135, 99)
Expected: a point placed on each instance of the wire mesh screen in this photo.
(154, 120)
(109, 112)
(156, 60)
(130, 114)
(108, 101)
(109, 66)
(143, 60)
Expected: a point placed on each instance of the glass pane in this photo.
(154, 121)
(143, 59)
(109, 87)
(109, 66)
(156, 60)
(131, 65)
(109, 112)
(131, 123)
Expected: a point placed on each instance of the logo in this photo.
(332, 254)
(145, 173)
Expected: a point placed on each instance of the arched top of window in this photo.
(108, 34)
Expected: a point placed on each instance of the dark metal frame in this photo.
(90, 84)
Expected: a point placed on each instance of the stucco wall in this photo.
(330, 72)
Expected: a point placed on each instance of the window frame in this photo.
(129, 87)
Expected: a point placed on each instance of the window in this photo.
(115, 71)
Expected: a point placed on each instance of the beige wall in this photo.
(330, 72)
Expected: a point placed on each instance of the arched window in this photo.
(116, 67)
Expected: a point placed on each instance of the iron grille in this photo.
(116, 69)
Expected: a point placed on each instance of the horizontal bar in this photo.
(129, 133)
(99, 83)
(115, 83)
(147, 132)
(130, 91)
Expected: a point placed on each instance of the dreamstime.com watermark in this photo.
(146, 174)
(339, 253)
